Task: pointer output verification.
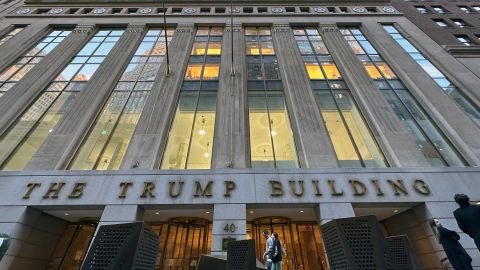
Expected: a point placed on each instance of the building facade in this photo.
(281, 117)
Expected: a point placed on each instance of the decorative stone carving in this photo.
(24, 11)
(328, 28)
(277, 10)
(145, 11)
(235, 28)
(359, 9)
(235, 10)
(184, 28)
(99, 10)
(389, 9)
(320, 9)
(189, 10)
(282, 28)
(56, 10)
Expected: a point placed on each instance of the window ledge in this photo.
(463, 51)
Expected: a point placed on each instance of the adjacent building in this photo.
(211, 122)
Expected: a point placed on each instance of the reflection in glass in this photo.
(470, 108)
(190, 139)
(271, 138)
(27, 133)
(108, 140)
(351, 138)
(430, 140)
(11, 75)
(11, 34)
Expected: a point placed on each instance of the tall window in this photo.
(451, 89)
(28, 132)
(431, 142)
(190, 139)
(11, 34)
(351, 138)
(107, 142)
(11, 75)
(271, 138)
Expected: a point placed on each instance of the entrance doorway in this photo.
(72, 247)
(182, 241)
(302, 241)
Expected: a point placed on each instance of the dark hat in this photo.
(462, 199)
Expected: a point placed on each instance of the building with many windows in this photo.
(211, 122)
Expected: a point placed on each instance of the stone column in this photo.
(5, 28)
(392, 136)
(21, 42)
(231, 139)
(60, 146)
(314, 148)
(33, 237)
(20, 96)
(455, 124)
(229, 221)
(328, 211)
(146, 147)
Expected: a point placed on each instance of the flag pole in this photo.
(166, 38)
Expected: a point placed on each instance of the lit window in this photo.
(440, 22)
(352, 141)
(476, 8)
(11, 34)
(421, 9)
(459, 22)
(26, 135)
(431, 142)
(190, 139)
(465, 40)
(439, 9)
(272, 143)
(466, 9)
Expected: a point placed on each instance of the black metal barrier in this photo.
(123, 247)
(358, 243)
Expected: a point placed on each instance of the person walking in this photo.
(468, 217)
(456, 254)
(268, 250)
(277, 253)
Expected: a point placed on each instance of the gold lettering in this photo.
(377, 187)
(421, 187)
(124, 186)
(398, 187)
(356, 185)
(54, 189)
(277, 188)
(171, 187)
(148, 188)
(293, 188)
(204, 192)
(77, 191)
(331, 183)
(30, 188)
(316, 185)
(229, 187)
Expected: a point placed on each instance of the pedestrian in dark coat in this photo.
(468, 217)
(456, 254)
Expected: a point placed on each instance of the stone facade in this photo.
(232, 191)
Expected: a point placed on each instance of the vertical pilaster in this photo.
(5, 28)
(21, 42)
(14, 102)
(231, 127)
(229, 221)
(147, 144)
(455, 124)
(33, 234)
(313, 145)
(394, 139)
(60, 146)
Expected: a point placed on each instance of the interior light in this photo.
(301, 211)
(208, 212)
(157, 213)
(207, 154)
(66, 214)
(274, 133)
(251, 212)
(50, 130)
(395, 211)
(202, 130)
